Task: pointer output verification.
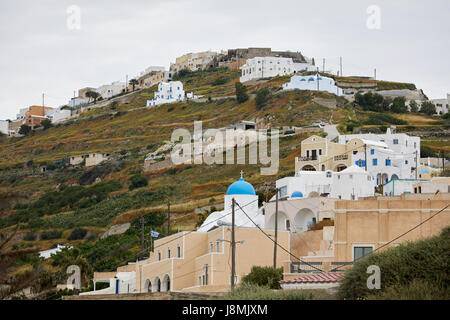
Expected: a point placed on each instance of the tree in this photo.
(77, 234)
(428, 108)
(413, 106)
(134, 83)
(264, 276)
(24, 130)
(46, 123)
(399, 105)
(241, 92)
(92, 94)
(262, 96)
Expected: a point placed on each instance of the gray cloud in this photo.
(118, 38)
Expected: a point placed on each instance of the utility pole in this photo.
(340, 63)
(323, 69)
(43, 99)
(318, 87)
(233, 246)
(365, 156)
(443, 160)
(168, 217)
(417, 161)
(142, 238)
(276, 232)
(375, 74)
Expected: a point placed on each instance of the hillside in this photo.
(62, 199)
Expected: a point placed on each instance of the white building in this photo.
(110, 90)
(48, 253)
(267, 67)
(352, 183)
(4, 127)
(313, 83)
(246, 198)
(389, 156)
(168, 92)
(441, 104)
(398, 187)
(58, 115)
(152, 69)
(75, 102)
(349, 184)
(121, 283)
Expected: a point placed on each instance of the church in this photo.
(200, 261)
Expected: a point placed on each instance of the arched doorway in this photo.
(283, 222)
(304, 217)
(394, 176)
(165, 283)
(147, 286)
(156, 285)
(340, 167)
(308, 167)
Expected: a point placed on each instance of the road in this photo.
(331, 130)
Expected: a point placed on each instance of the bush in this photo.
(52, 234)
(426, 152)
(220, 81)
(416, 266)
(428, 108)
(263, 95)
(30, 236)
(253, 292)
(138, 181)
(399, 106)
(241, 92)
(77, 234)
(264, 276)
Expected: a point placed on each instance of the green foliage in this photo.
(77, 234)
(138, 181)
(46, 124)
(254, 292)
(30, 236)
(241, 92)
(424, 261)
(413, 106)
(399, 106)
(220, 81)
(24, 130)
(426, 152)
(428, 108)
(387, 85)
(100, 171)
(370, 101)
(52, 234)
(264, 276)
(383, 118)
(263, 95)
(351, 124)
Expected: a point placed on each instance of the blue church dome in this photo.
(297, 194)
(241, 187)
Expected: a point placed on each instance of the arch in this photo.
(165, 283)
(313, 194)
(156, 285)
(283, 221)
(302, 218)
(308, 167)
(394, 176)
(147, 286)
(340, 167)
(384, 178)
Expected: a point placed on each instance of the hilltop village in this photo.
(355, 176)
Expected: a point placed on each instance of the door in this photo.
(314, 154)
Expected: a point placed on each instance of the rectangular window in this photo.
(388, 162)
(372, 151)
(395, 141)
(374, 162)
(168, 253)
(178, 252)
(320, 152)
(359, 252)
(217, 246)
(159, 256)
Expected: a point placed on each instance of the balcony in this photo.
(341, 157)
(302, 159)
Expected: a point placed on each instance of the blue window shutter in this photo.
(372, 151)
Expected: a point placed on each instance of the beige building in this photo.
(362, 226)
(89, 160)
(150, 79)
(200, 262)
(193, 61)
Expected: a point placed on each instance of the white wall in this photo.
(352, 183)
(4, 127)
(168, 92)
(313, 83)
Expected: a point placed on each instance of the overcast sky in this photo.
(40, 54)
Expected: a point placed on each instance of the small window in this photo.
(217, 246)
(395, 141)
(168, 253)
(359, 252)
(320, 152)
(211, 247)
(374, 162)
(178, 252)
(388, 162)
(159, 256)
(372, 151)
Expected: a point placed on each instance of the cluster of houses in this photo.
(346, 200)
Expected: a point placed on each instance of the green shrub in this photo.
(428, 108)
(220, 81)
(241, 92)
(421, 265)
(77, 234)
(263, 95)
(138, 181)
(253, 292)
(52, 234)
(30, 236)
(264, 276)
(426, 152)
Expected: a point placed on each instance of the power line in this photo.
(403, 234)
(284, 249)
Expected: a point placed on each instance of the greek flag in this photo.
(154, 234)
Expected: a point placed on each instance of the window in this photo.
(372, 151)
(211, 247)
(320, 152)
(359, 252)
(414, 145)
(406, 161)
(288, 225)
(205, 275)
(395, 141)
(307, 153)
(178, 251)
(388, 162)
(217, 246)
(168, 253)
(283, 191)
(374, 162)
(328, 174)
(159, 256)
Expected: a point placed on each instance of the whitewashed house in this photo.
(305, 184)
(48, 253)
(441, 104)
(58, 115)
(168, 92)
(267, 67)
(75, 102)
(352, 183)
(110, 90)
(313, 83)
(4, 127)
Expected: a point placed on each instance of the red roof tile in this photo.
(325, 277)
